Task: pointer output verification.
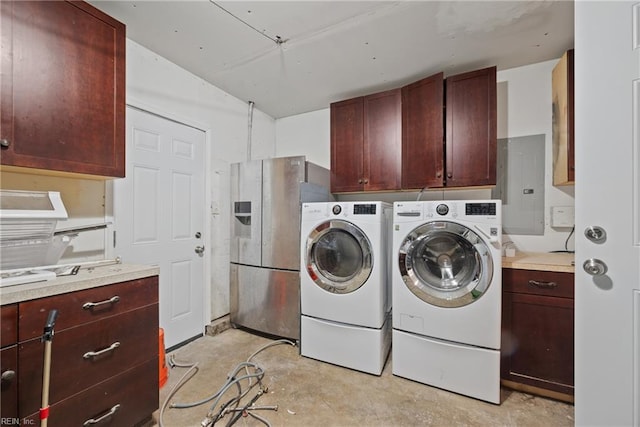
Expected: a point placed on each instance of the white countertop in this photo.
(542, 261)
(89, 277)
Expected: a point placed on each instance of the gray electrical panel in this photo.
(520, 184)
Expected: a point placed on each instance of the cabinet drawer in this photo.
(135, 391)
(9, 390)
(125, 340)
(548, 283)
(130, 295)
(9, 325)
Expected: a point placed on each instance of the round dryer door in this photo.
(445, 264)
(338, 256)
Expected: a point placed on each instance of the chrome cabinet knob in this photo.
(8, 375)
(595, 267)
(4, 143)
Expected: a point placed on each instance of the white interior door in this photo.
(607, 121)
(159, 216)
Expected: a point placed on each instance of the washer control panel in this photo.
(442, 209)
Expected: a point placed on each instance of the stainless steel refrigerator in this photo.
(266, 197)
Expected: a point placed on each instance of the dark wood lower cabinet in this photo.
(538, 332)
(123, 341)
(124, 400)
(104, 356)
(9, 390)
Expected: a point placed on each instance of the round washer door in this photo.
(338, 257)
(445, 264)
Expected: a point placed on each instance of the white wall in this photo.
(305, 134)
(524, 108)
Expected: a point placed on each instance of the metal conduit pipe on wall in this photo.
(249, 129)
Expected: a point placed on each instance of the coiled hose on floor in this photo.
(233, 379)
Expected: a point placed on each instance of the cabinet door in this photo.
(63, 87)
(383, 141)
(563, 123)
(347, 142)
(9, 390)
(538, 341)
(8, 325)
(423, 133)
(471, 144)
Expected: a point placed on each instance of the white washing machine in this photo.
(345, 284)
(447, 294)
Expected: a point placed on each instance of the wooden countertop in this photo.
(90, 277)
(542, 261)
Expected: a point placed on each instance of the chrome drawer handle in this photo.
(90, 305)
(92, 421)
(543, 285)
(91, 354)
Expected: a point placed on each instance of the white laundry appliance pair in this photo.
(345, 284)
(447, 292)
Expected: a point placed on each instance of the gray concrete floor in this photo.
(312, 393)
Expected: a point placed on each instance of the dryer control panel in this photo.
(364, 209)
(480, 209)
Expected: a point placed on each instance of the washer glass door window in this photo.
(445, 264)
(339, 258)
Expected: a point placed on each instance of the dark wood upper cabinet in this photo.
(366, 143)
(396, 139)
(471, 131)
(382, 141)
(63, 88)
(423, 133)
(563, 120)
(347, 142)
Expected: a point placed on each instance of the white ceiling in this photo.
(334, 50)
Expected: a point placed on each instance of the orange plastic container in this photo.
(162, 363)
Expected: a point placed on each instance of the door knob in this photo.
(595, 267)
(595, 234)
(199, 250)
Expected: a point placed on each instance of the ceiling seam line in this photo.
(276, 40)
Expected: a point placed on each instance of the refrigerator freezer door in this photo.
(246, 212)
(281, 212)
(266, 300)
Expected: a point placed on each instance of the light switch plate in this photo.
(562, 216)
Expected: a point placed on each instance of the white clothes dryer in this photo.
(447, 293)
(345, 283)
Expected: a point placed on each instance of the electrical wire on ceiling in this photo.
(277, 39)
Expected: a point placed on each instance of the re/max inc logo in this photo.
(5, 421)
